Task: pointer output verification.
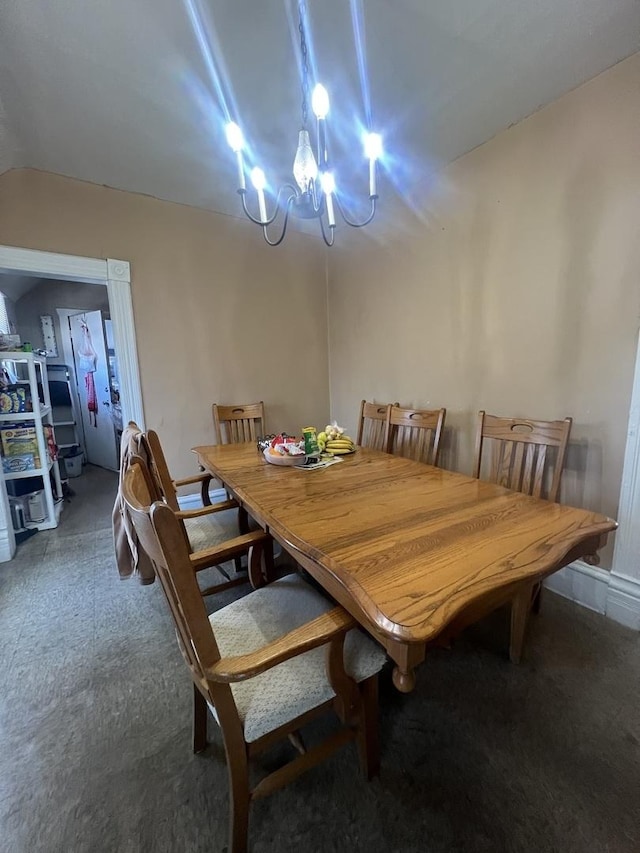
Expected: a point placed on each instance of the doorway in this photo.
(115, 274)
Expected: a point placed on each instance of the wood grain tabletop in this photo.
(405, 547)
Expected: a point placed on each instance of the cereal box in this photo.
(20, 441)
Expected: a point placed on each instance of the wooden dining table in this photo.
(415, 553)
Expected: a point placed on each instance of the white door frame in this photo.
(116, 275)
(623, 599)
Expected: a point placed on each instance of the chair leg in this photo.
(200, 712)
(368, 741)
(239, 799)
(537, 598)
(295, 738)
(243, 527)
(243, 520)
(269, 565)
(520, 609)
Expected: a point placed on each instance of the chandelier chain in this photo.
(304, 57)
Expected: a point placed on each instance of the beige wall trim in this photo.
(116, 275)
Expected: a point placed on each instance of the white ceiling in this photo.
(122, 92)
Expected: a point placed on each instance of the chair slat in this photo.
(527, 476)
(505, 471)
(516, 469)
(538, 479)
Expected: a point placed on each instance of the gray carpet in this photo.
(483, 756)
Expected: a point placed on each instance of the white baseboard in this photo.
(623, 601)
(194, 500)
(616, 596)
(588, 585)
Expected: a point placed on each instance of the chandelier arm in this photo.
(329, 241)
(271, 219)
(284, 225)
(357, 224)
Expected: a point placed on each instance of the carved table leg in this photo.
(406, 659)
(404, 680)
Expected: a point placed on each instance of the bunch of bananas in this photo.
(340, 446)
(333, 440)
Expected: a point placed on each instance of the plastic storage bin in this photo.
(73, 465)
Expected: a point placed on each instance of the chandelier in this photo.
(314, 194)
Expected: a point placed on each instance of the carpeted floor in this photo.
(483, 756)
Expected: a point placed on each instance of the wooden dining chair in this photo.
(527, 456)
(263, 666)
(239, 423)
(203, 527)
(372, 425)
(415, 433)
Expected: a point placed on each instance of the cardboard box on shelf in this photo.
(20, 441)
(19, 463)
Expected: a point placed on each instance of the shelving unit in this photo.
(35, 368)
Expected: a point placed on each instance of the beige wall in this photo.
(516, 291)
(219, 315)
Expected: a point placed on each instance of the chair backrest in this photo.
(160, 533)
(519, 459)
(372, 425)
(415, 433)
(159, 469)
(238, 424)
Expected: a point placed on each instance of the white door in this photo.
(92, 373)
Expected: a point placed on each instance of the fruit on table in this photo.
(334, 440)
(333, 430)
(340, 446)
(285, 445)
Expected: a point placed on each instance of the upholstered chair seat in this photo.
(296, 686)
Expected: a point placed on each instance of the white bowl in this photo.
(289, 461)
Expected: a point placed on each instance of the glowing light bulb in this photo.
(320, 101)
(234, 137)
(259, 182)
(372, 150)
(373, 146)
(258, 179)
(305, 168)
(236, 143)
(328, 183)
